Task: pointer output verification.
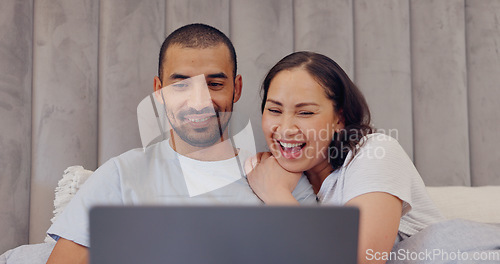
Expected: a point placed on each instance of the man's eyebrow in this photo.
(217, 75)
(176, 76)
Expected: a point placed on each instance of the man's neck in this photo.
(223, 149)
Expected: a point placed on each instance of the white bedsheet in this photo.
(28, 254)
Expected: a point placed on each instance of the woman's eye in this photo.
(274, 111)
(306, 113)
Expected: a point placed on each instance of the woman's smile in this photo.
(291, 149)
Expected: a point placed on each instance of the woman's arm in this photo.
(380, 214)
(66, 251)
(269, 181)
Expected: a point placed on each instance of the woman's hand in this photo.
(271, 183)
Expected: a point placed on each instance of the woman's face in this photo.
(298, 121)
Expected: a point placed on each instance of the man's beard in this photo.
(206, 136)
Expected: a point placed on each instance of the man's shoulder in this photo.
(304, 192)
(156, 150)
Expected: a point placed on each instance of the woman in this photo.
(317, 122)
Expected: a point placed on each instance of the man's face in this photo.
(199, 92)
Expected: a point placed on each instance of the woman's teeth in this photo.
(290, 145)
(294, 147)
(291, 150)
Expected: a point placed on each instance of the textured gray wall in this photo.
(15, 117)
(72, 73)
(383, 65)
(311, 18)
(130, 34)
(483, 77)
(65, 70)
(440, 91)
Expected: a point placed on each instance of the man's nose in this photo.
(199, 97)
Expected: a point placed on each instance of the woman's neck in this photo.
(318, 174)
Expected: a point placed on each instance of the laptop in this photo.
(223, 234)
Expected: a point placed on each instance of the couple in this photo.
(316, 124)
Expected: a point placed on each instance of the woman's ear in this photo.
(340, 120)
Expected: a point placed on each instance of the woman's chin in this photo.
(291, 166)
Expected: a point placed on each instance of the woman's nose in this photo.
(287, 126)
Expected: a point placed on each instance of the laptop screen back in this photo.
(225, 234)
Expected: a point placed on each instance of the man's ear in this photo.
(157, 88)
(238, 83)
(157, 83)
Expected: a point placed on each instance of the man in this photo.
(197, 86)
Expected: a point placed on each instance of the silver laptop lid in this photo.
(223, 234)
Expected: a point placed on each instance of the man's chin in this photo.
(201, 142)
(200, 137)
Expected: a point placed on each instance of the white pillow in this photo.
(480, 204)
(72, 180)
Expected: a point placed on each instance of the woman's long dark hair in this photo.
(348, 101)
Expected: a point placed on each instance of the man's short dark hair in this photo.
(196, 36)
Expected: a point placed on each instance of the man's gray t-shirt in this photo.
(160, 176)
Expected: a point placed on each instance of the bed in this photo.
(475, 209)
